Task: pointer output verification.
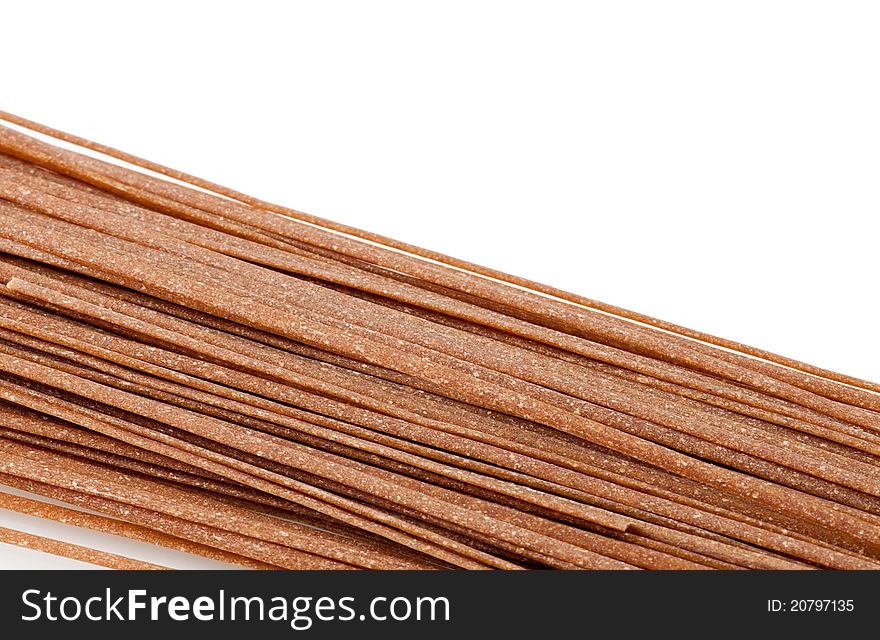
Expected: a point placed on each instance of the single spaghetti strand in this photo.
(73, 551)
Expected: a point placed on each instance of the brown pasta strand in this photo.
(73, 551)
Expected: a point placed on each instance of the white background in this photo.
(716, 164)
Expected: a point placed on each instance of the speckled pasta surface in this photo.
(191, 367)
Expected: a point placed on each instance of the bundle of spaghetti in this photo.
(185, 365)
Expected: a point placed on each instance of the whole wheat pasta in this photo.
(235, 471)
(197, 196)
(281, 407)
(388, 325)
(232, 493)
(443, 259)
(307, 543)
(72, 551)
(644, 499)
(346, 400)
(253, 251)
(397, 261)
(704, 417)
(27, 506)
(242, 550)
(426, 385)
(271, 448)
(823, 514)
